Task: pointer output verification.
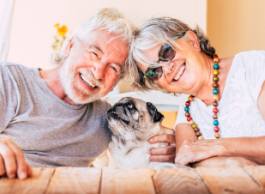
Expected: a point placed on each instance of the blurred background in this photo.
(27, 30)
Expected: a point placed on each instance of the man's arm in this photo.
(12, 161)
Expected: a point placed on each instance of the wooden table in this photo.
(142, 181)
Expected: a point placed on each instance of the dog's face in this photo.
(134, 119)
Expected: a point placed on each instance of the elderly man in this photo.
(55, 117)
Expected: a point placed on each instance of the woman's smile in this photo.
(179, 72)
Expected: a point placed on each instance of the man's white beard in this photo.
(77, 93)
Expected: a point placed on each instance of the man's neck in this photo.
(52, 79)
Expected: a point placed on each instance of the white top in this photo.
(238, 114)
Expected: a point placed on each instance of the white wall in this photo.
(32, 28)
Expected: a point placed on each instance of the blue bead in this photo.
(215, 91)
(186, 108)
(216, 66)
(215, 122)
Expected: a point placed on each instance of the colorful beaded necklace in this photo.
(215, 104)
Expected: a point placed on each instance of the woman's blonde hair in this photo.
(159, 31)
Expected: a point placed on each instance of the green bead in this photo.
(215, 91)
(194, 125)
(215, 78)
(216, 66)
(186, 109)
(215, 72)
(152, 73)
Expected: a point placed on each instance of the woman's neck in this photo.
(205, 93)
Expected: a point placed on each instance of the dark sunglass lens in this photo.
(166, 53)
(154, 73)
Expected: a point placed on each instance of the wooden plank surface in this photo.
(229, 180)
(75, 180)
(258, 173)
(129, 181)
(181, 180)
(37, 183)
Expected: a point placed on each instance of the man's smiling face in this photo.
(92, 68)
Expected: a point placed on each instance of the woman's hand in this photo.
(164, 154)
(195, 151)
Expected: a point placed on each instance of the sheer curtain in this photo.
(6, 10)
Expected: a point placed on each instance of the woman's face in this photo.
(187, 71)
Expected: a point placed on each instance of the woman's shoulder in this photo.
(254, 55)
(252, 66)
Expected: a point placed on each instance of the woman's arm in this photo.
(216, 152)
(184, 132)
(224, 162)
(251, 148)
(261, 101)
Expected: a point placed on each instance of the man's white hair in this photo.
(109, 19)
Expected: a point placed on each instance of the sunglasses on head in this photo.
(166, 54)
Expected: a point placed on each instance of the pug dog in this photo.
(132, 122)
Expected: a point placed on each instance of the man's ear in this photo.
(68, 47)
(193, 40)
(155, 115)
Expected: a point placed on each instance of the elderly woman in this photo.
(222, 122)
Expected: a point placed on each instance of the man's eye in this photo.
(113, 70)
(94, 56)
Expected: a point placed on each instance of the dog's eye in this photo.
(129, 105)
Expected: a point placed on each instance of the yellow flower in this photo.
(62, 31)
(56, 25)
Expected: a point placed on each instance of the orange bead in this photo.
(200, 138)
(215, 60)
(215, 97)
(217, 135)
(190, 98)
(191, 122)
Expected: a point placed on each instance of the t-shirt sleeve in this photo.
(254, 62)
(8, 98)
(181, 118)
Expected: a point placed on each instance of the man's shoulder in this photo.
(13, 68)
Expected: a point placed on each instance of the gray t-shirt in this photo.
(49, 131)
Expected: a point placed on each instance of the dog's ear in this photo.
(155, 115)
